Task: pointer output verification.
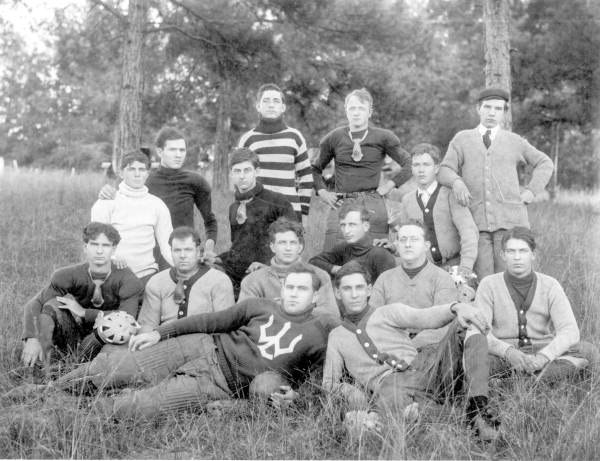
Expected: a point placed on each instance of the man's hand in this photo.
(255, 266)
(143, 340)
(527, 196)
(335, 269)
(208, 255)
(535, 362)
(107, 192)
(386, 187)
(385, 243)
(330, 198)
(461, 192)
(518, 360)
(71, 305)
(284, 398)
(32, 352)
(120, 263)
(468, 315)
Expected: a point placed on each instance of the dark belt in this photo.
(342, 195)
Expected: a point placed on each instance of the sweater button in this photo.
(180, 312)
(358, 331)
(367, 344)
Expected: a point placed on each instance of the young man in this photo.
(254, 209)
(452, 232)
(379, 356)
(178, 188)
(141, 218)
(481, 168)
(533, 326)
(190, 287)
(282, 152)
(355, 226)
(63, 313)
(217, 355)
(287, 243)
(358, 150)
(415, 282)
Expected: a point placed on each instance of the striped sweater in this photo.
(284, 164)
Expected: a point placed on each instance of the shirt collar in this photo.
(494, 130)
(430, 190)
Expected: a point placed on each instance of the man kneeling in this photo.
(374, 346)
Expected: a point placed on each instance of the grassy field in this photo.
(41, 219)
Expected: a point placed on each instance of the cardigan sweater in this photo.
(181, 190)
(284, 164)
(142, 219)
(550, 318)
(352, 176)
(375, 259)
(257, 335)
(266, 282)
(211, 292)
(432, 286)
(492, 178)
(121, 290)
(455, 230)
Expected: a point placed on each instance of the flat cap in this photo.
(493, 93)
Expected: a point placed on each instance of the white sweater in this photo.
(140, 218)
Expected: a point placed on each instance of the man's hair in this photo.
(519, 233)
(268, 87)
(94, 229)
(417, 223)
(167, 133)
(425, 148)
(351, 267)
(243, 154)
(284, 224)
(349, 207)
(363, 96)
(183, 232)
(135, 156)
(303, 268)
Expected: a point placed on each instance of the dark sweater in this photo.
(180, 190)
(256, 335)
(250, 240)
(351, 176)
(121, 290)
(374, 259)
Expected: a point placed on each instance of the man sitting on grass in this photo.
(534, 330)
(141, 218)
(63, 313)
(358, 245)
(373, 346)
(190, 361)
(287, 243)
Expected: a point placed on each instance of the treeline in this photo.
(203, 61)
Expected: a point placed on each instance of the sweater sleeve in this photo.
(163, 229)
(400, 156)
(31, 312)
(334, 364)
(326, 302)
(326, 154)
(467, 231)
(130, 292)
(250, 288)
(377, 298)
(102, 211)
(150, 313)
(484, 300)
(327, 259)
(382, 260)
(304, 175)
(542, 168)
(445, 290)
(221, 293)
(451, 166)
(203, 201)
(563, 321)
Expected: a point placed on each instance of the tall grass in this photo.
(41, 220)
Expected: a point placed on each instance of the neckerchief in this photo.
(357, 154)
(243, 198)
(98, 280)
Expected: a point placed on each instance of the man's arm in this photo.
(542, 168)
(328, 260)
(451, 166)
(384, 260)
(150, 313)
(484, 300)
(407, 317)
(221, 293)
(163, 229)
(334, 365)
(250, 287)
(445, 290)
(203, 201)
(467, 231)
(102, 210)
(326, 154)
(377, 298)
(304, 175)
(394, 150)
(326, 302)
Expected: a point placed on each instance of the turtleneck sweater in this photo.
(376, 260)
(141, 219)
(181, 190)
(283, 159)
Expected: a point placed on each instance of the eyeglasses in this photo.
(411, 239)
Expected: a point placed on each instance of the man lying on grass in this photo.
(63, 313)
(374, 347)
(533, 327)
(215, 356)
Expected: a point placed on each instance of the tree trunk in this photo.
(128, 132)
(220, 169)
(496, 16)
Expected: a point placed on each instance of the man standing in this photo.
(282, 152)
(355, 226)
(287, 243)
(452, 232)
(254, 209)
(63, 313)
(416, 282)
(481, 168)
(533, 326)
(359, 150)
(379, 356)
(178, 188)
(141, 218)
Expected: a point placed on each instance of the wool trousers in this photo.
(489, 254)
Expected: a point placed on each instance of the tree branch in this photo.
(112, 10)
(174, 28)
